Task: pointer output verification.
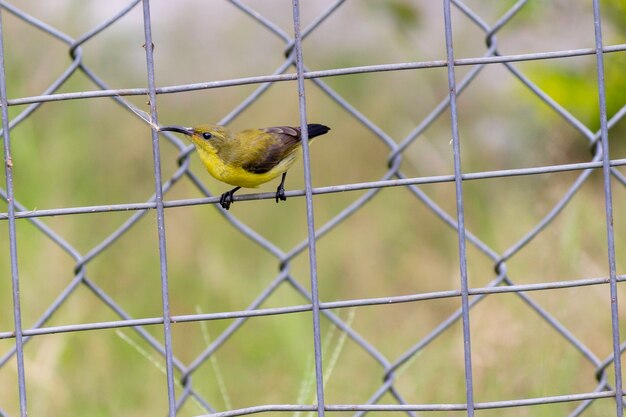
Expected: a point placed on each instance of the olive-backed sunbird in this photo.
(248, 158)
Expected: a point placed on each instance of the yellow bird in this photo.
(249, 158)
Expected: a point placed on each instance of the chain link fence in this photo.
(182, 374)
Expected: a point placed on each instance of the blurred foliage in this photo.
(404, 14)
(575, 86)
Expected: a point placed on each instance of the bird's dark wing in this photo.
(279, 143)
(292, 132)
(313, 129)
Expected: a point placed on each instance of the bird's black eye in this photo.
(206, 135)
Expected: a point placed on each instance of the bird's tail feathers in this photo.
(315, 130)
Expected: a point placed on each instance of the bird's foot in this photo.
(280, 193)
(226, 199)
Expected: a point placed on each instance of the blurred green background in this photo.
(94, 152)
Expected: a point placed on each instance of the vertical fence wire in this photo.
(10, 198)
(460, 211)
(310, 216)
(156, 155)
(608, 202)
(393, 177)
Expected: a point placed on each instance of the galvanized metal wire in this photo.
(606, 387)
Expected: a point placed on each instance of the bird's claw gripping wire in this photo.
(280, 191)
(280, 194)
(226, 199)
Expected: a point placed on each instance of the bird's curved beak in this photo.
(180, 129)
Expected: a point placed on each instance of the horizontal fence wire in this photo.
(313, 74)
(607, 377)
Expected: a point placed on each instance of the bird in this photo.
(250, 157)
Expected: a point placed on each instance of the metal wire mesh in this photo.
(181, 371)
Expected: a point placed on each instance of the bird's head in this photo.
(207, 138)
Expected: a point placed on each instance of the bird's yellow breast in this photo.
(239, 177)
